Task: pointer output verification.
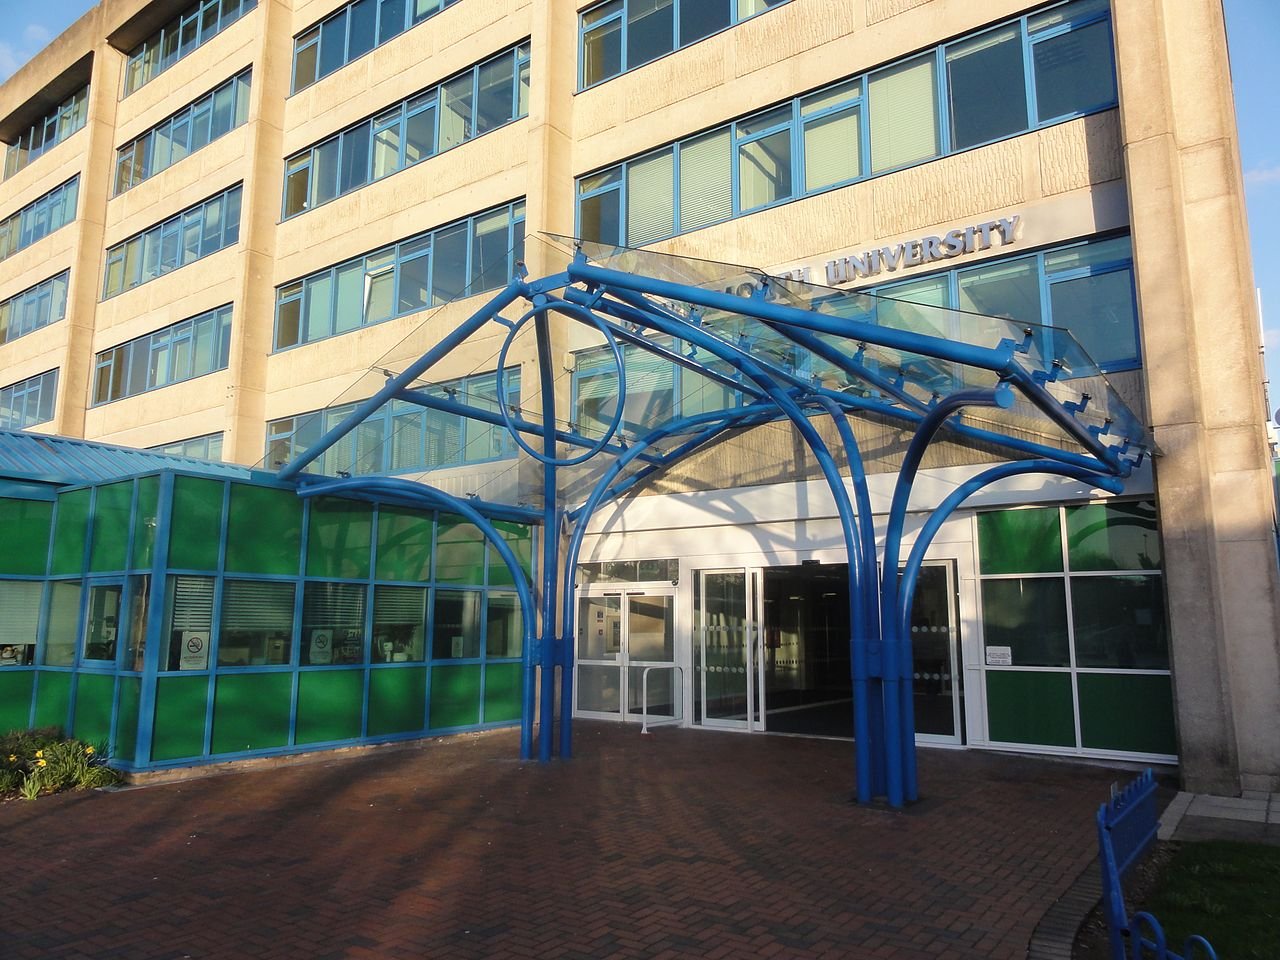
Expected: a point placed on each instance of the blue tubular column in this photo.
(411, 492)
(550, 545)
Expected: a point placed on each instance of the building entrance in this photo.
(620, 634)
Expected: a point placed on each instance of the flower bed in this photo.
(35, 762)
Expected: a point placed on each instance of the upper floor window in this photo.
(28, 402)
(39, 218)
(352, 31)
(33, 308)
(479, 99)
(208, 447)
(1039, 69)
(174, 138)
(183, 238)
(196, 25)
(427, 270)
(620, 35)
(182, 351)
(47, 132)
(401, 436)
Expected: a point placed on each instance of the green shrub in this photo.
(33, 762)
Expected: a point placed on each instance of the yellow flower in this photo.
(39, 753)
(41, 763)
(88, 751)
(13, 758)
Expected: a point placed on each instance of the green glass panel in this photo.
(502, 692)
(26, 525)
(1113, 536)
(126, 741)
(1029, 616)
(1120, 622)
(196, 524)
(460, 548)
(53, 699)
(338, 539)
(264, 532)
(95, 694)
(1020, 541)
(330, 703)
(111, 511)
(1127, 712)
(404, 545)
(251, 711)
(397, 700)
(144, 528)
(71, 526)
(1024, 707)
(455, 696)
(519, 538)
(15, 699)
(179, 719)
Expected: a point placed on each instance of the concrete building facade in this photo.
(216, 219)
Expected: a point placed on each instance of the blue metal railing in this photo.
(1127, 827)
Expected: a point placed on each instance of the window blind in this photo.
(903, 103)
(706, 180)
(651, 205)
(257, 605)
(193, 603)
(19, 611)
(333, 604)
(831, 150)
(400, 605)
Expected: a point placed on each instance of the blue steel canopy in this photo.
(747, 349)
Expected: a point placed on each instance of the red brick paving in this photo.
(685, 844)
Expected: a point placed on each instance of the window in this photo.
(62, 623)
(404, 436)
(194, 126)
(399, 624)
(190, 628)
(28, 402)
(455, 619)
(332, 623)
(430, 269)
(179, 352)
(196, 25)
(257, 623)
(39, 218)
(352, 31)
(33, 308)
(482, 98)
(184, 238)
(208, 447)
(47, 132)
(1030, 72)
(19, 621)
(620, 35)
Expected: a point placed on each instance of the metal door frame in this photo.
(958, 739)
(624, 591)
(753, 606)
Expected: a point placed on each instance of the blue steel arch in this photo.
(644, 307)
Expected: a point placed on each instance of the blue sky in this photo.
(1253, 28)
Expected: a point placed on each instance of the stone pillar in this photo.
(1200, 341)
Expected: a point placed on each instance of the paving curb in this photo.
(1055, 934)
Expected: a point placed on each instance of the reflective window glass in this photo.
(988, 98)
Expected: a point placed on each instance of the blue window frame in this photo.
(208, 447)
(181, 134)
(182, 239)
(39, 218)
(1037, 70)
(28, 402)
(481, 98)
(426, 270)
(183, 351)
(196, 25)
(351, 32)
(47, 132)
(33, 308)
(620, 35)
(401, 436)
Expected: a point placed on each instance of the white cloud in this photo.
(34, 36)
(1269, 174)
(14, 55)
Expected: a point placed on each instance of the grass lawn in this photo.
(1227, 892)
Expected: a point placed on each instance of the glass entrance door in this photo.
(619, 635)
(935, 681)
(726, 662)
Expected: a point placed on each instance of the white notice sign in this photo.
(999, 656)
(321, 646)
(195, 650)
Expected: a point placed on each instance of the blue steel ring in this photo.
(612, 430)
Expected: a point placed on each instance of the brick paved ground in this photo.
(686, 844)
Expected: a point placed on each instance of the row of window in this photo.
(184, 238)
(352, 31)
(402, 436)
(190, 348)
(28, 402)
(47, 132)
(478, 100)
(39, 218)
(1037, 70)
(432, 268)
(174, 138)
(196, 25)
(620, 35)
(208, 447)
(33, 308)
